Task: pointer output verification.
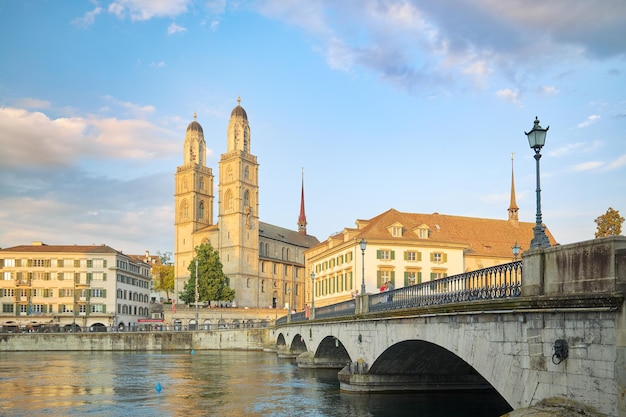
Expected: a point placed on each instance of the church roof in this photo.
(194, 126)
(239, 111)
(483, 237)
(281, 234)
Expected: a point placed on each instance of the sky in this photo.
(414, 105)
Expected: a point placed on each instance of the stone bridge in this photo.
(563, 337)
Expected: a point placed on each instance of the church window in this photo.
(184, 209)
(245, 140)
(246, 199)
(267, 249)
(201, 210)
(246, 172)
(229, 200)
(202, 183)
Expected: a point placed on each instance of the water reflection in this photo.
(205, 383)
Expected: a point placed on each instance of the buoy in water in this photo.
(158, 387)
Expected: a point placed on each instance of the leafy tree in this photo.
(163, 278)
(609, 224)
(212, 283)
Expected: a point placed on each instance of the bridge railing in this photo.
(345, 308)
(500, 281)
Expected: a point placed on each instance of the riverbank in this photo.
(236, 339)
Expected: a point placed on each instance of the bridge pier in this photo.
(354, 377)
(309, 361)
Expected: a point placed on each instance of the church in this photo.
(264, 263)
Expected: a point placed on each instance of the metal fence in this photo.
(500, 281)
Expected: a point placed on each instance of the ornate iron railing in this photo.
(345, 308)
(500, 281)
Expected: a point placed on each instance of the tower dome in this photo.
(239, 111)
(195, 126)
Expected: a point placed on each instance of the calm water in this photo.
(202, 383)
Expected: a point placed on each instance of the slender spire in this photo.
(302, 219)
(513, 209)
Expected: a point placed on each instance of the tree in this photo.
(163, 279)
(212, 283)
(609, 224)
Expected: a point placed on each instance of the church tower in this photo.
(193, 198)
(238, 210)
(302, 218)
(513, 209)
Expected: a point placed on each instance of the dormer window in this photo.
(422, 231)
(396, 229)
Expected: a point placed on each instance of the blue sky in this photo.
(413, 105)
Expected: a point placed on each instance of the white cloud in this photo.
(549, 90)
(88, 18)
(594, 118)
(148, 9)
(174, 28)
(618, 163)
(32, 103)
(69, 139)
(159, 64)
(588, 166)
(511, 96)
(214, 25)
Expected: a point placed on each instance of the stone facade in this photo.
(264, 263)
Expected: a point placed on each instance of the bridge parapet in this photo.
(592, 266)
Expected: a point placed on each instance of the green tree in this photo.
(609, 224)
(212, 283)
(163, 278)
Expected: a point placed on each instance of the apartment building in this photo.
(91, 286)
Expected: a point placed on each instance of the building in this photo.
(64, 284)
(411, 248)
(264, 263)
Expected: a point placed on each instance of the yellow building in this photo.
(410, 248)
(65, 284)
(264, 263)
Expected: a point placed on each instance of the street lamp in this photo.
(312, 290)
(536, 140)
(516, 248)
(363, 245)
(197, 297)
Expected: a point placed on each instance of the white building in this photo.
(65, 284)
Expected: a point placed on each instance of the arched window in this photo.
(202, 183)
(201, 210)
(246, 172)
(246, 199)
(245, 140)
(184, 210)
(267, 249)
(229, 200)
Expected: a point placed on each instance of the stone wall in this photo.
(241, 339)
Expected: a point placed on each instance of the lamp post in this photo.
(536, 140)
(197, 296)
(312, 290)
(516, 249)
(363, 245)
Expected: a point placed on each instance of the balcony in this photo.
(22, 282)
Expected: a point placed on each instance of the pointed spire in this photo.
(302, 219)
(513, 209)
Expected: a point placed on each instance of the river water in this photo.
(202, 383)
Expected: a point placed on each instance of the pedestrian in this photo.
(390, 288)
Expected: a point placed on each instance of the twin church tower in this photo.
(264, 263)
